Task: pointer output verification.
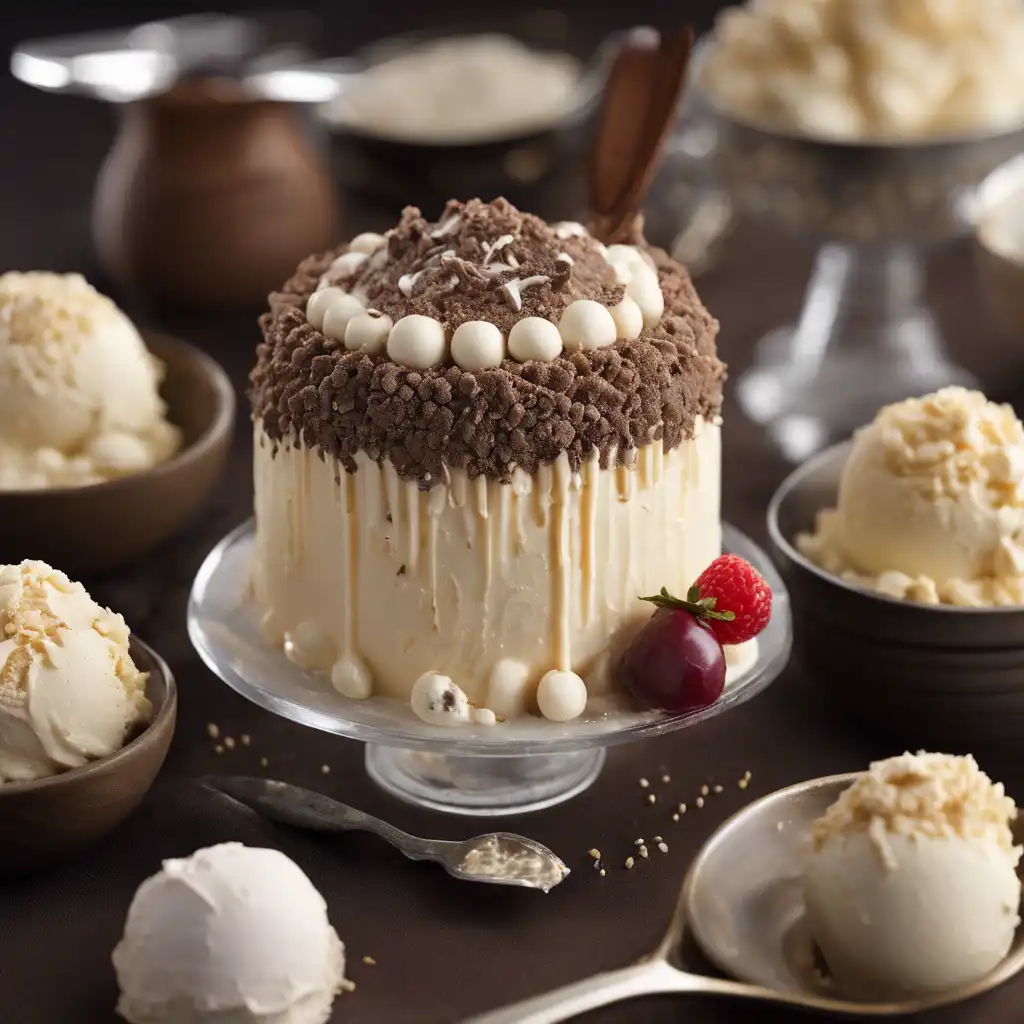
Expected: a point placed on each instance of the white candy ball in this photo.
(478, 345)
(484, 716)
(508, 691)
(320, 301)
(417, 342)
(348, 265)
(308, 646)
(340, 309)
(561, 696)
(645, 290)
(351, 677)
(586, 324)
(437, 700)
(368, 242)
(622, 259)
(629, 321)
(368, 332)
(533, 337)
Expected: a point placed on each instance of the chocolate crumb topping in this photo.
(519, 415)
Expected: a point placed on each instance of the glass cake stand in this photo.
(510, 768)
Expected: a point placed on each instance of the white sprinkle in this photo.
(643, 851)
(718, 789)
(644, 783)
(513, 289)
(675, 817)
(666, 778)
(347, 985)
(264, 762)
(245, 739)
(663, 847)
(218, 749)
(638, 842)
(630, 862)
(325, 769)
(212, 730)
(229, 743)
(595, 853)
(704, 790)
(651, 798)
(369, 961)
(700, 801)
(780, 826)
(511, 260)
(743, 783)
(448, 227)
(602, 872)
(490, 248)
(657, 839)
(407, 282)
(682, 808)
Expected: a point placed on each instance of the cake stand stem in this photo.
(482, 786)
(864, 338)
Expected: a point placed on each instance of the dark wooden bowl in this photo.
(922, 675)
(83, 530)
(52, 819)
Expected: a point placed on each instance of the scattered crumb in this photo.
(643, 851)
(602, 872)
(325, 769)
(245, 739)
(595, 853)
(699, 801)
(657, 839)
(704, 790)
(264, 762)
(369, 961)
(347, 985)
(675, 817)
(212, 730)
(630, 862)
(663, 847)
(638, 842)
(666, 778)
(651, 798)
(229, 742)
(717, 789)
(644, 783)
(218, 749)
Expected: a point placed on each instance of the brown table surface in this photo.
(443, 949)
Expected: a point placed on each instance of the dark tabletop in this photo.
(443, 949)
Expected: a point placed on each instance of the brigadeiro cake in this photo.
(478, 441)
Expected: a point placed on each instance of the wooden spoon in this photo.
(639, 106)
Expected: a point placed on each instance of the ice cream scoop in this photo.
(232, 933)
(931, 503)
(69, 690)
(79, 392)
(912, 888)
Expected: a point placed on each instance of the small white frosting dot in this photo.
(418, 342)
(533, 337)
(561, 696)
(368, 242)
(368, 332)
(629, 320)
(437, 700)
(586, 324)
(478, 345)
(347, 265)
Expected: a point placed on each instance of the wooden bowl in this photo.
(52, 819)
(95, 528)
(922, 675)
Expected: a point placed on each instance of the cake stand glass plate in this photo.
(515, 766)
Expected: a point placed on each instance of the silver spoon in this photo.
(743, 902)
(500, 858)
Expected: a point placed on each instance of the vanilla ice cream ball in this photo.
(933, 487)
(234, 935)
(79, 391)
(912, 887)
(69, 690)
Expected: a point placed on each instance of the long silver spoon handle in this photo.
(652, 977)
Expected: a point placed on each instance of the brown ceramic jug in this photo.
(210, 197)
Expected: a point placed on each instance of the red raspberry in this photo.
(731, 584)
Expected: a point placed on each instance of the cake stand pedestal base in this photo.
(482, 786)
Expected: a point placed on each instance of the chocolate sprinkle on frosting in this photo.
(519, 415)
